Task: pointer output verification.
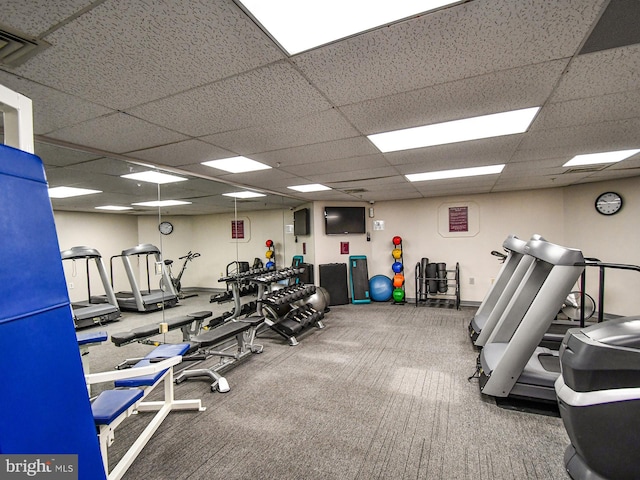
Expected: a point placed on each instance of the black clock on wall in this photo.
(165, 228)
(608, 203)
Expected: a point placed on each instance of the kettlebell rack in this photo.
(436, 286)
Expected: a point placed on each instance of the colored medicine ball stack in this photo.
(398, 268)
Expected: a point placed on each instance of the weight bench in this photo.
(86, 340)
(190, 324)
(133, 385)
(218, 342)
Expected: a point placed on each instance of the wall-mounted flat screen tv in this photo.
(344, 220)
(301, 222)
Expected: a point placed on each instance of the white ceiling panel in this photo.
(275, 93)
(172, 83)
(117, 133)
(489, 151)
(590, 110)
(317, 127)
(489, 93)
(342, 165)
(465, 41)
(156, 47)
(37, 16)
(319, 152)
(600, 73)
(182, 153)
(56, 109)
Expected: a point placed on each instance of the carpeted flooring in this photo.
(381, 393)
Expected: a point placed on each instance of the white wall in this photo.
(565, 216)
(107, 233)
(613, 239)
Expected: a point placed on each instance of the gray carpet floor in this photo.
(382, 392)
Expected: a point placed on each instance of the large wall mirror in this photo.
(222, 229)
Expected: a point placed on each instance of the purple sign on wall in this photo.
(458, 219)
(237, 228)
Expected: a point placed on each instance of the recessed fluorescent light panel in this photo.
(154, 177)
(244, 194)
(485, 126)
(162, 203)
(114, 208)
(312, 187)
(302, 25)
(603, 157)
(66, 192)
(458, 173)
(236, 165)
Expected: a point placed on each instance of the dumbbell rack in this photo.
(238, 286)
(439, 299)
(281, 309)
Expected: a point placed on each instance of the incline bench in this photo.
(230, 341)
(111, 407)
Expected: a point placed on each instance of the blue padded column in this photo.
(44, 407)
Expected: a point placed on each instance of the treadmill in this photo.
(150, 299)
(99, 309)
(511, 362)
(496, 300)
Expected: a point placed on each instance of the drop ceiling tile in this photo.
(272, 94)
(142, 51)
(470, 39)
(317, 127)
(600, 73)
(52, 108)
(319, 152)
(490, 93)
(363, 164)
(118, 133)
(182, 153)
(489, 151)
(259, 179)
(371, 175)
(583, 111)
(552, 165)
(52, 155)
(37, 16)
(598, 137)
(535, 182)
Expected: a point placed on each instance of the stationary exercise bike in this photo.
(175, 281)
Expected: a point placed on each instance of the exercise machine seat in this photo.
(161, 352)
(111, 403)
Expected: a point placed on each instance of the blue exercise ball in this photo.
(397, 267)
(380, 288)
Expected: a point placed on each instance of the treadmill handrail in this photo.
(601, 266)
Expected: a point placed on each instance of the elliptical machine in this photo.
(177, 286)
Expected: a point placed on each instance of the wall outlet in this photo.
(472, 281)
(71, 286)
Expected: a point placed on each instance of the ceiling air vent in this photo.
(355, 190)
(585, 169)
(16, 48)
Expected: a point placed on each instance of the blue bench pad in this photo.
(111, 403)
(91, 337)
(167, 350)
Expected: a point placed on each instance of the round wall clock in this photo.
(608, 203)
(165, 228)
